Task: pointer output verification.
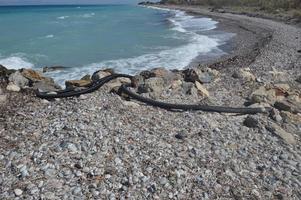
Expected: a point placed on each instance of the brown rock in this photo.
(32, 75)
(77, 83)
(159, 72)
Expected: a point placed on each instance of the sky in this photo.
(41, 2)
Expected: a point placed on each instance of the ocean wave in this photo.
(88, 15)
(15, 62)
(49, 36)
(63, 17)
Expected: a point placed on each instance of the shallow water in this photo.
(86, 38)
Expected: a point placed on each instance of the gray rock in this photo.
(13, 87)
(18, 192)
(154, 85)
(298, 79)
(18, 79)
(275, 115)
(43, 86)
(205, 77)
(277, 130)
(251, 121)
(3, 98)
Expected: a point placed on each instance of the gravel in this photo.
(99, 147)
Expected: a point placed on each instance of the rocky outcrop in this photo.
(53, 68)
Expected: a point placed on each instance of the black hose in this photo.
(170, 106)
(206, 108)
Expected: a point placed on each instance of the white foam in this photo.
(15, 62)
(49, 36)
(88, 15)
(63, 17)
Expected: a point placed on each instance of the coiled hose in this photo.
(95, 85)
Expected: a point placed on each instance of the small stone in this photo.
(83, 97)
(298, 79)
(130, 104)
(263, 95)
(180, 136)
(251, 121)
(18, 192)
(205, 77)
(44, 101)
(275, 115)
(12, 87)
(3, 98)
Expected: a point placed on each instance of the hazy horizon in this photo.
(65, 2)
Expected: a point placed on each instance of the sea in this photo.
(127, 38)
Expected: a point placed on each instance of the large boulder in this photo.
(18, 79)
(33, 75)
(43, 86)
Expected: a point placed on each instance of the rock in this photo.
(18, 192)
(116, 83)
(86, 78)
(5, 73)
(3, 98)
(201, 89)
(180, 136)
(189, 88)
(289, 106)
(44, 101)
(277, 130)
(101, 74)
(283, 106)
(205, 77)
(18, 79)
(176, 84)
(298, 79)
(44, 86)
(275, 115)
(154, 84)
(263, 95)
(244, 74)
(251, 121)
(32, 75)
(159, 72)
(130, 104)
(12, 87)
(190, 75)
(53, 68)
(290, 118)
(83, 97)
(77, 83)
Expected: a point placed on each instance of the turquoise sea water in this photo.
(86, 38)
